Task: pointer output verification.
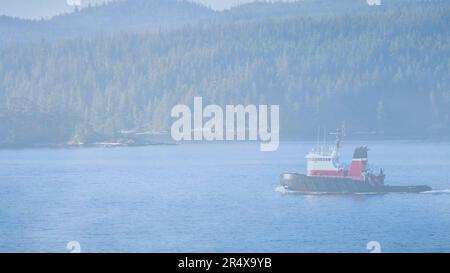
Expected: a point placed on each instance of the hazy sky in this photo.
(48, 8)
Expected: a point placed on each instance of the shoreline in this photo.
(110, 145)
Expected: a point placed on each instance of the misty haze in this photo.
(96, 155)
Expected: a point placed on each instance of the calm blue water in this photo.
(215, 198)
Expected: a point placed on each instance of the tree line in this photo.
(386, 73)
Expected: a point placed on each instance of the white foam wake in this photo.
(444, 191)
(281, 189)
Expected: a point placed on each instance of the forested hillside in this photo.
(115, 17)
(386, 72)
(150, 16)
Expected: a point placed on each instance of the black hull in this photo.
(307, 184)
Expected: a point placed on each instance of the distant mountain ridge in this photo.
(155, 15)
(113, 17)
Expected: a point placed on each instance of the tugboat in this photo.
(325, 174)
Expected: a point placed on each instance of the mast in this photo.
(339, 135)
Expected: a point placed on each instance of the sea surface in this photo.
(216, 198)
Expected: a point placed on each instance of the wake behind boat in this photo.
(325, 174)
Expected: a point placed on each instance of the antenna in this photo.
(340, 133)
(343, 128)
(318, 138)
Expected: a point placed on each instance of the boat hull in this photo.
(309, 184)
